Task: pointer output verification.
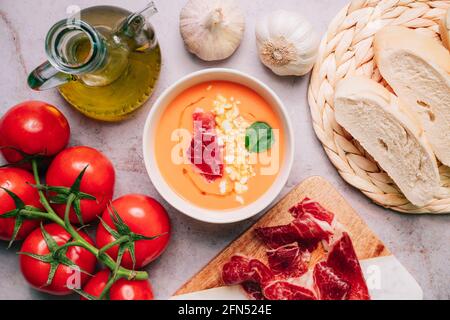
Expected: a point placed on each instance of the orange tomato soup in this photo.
(245, 176)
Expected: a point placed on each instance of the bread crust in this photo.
(444, 28)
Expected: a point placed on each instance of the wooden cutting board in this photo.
(366, 243)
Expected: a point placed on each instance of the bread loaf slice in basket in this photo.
(417, 67)
(378, 120)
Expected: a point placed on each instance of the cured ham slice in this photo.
(241, 269)
(261, 273)
(329, 285)
(288, 261)
(275, 237)
(312, 224)
(254, 276)
(204, 120)
(314, 208)
(344, 262)
(250, 273)
(204, 152)
(283, 290)
(253, 290)
(311, 230)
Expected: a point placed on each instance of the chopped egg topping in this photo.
(231, 130)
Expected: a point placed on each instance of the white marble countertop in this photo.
(421, 243)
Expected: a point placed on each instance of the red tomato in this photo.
(121, 290)
(144, 216)
(17, 181)
(97, 181)
(33, 127)
(36, 272)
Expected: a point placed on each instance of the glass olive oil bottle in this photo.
(105, 62)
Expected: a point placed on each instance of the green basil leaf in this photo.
(259, 137)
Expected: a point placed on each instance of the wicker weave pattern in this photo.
(347, 49)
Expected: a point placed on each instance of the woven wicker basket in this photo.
(347, 49)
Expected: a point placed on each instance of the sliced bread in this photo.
(445, 29)
(417, 67)
(377, 119)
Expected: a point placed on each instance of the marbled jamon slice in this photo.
(328, 284)
(250, 273)
(312, 224)
(344, 262)
(283, 290)
(314, 208)
(205, 152)
(288, 261)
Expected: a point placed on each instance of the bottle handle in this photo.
(46, 77)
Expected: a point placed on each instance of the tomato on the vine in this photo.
(75, 263)
(33, 128)
(144, 216)
(98, 180)
(19, 182)
(123, 289)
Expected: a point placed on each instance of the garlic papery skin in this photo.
(287, 43)
(445, 29)
(212, 29)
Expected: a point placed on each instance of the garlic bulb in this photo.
(445, 29)
(212, 29)
(287, 43)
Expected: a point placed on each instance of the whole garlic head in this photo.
(287, 43)
(212, 29)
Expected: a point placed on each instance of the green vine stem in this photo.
(52, 216)
(108, 286)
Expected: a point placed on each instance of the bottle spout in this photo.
(136, 21)
(136, 27)
(147, 12)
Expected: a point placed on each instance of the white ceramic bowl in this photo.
(182, 205)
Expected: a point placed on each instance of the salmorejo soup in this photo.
(219, 145)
